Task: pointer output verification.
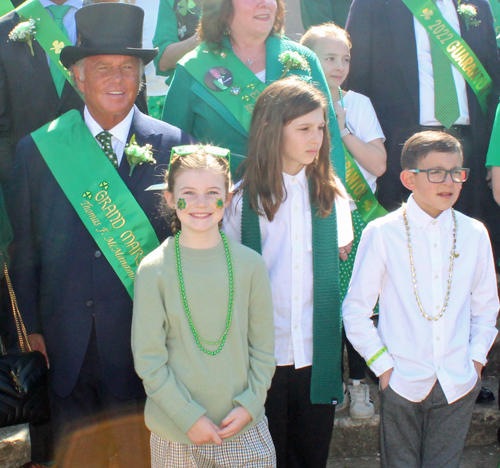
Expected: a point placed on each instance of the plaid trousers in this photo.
(252, 449)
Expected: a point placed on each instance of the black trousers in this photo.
(92, 426)
(301, 431)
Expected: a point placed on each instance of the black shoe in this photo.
(485, 395)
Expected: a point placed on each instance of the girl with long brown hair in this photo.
(286, 207)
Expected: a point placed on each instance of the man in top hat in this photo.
(82, 221)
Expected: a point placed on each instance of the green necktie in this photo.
(104, 138)
(446, 108)
(58, 12)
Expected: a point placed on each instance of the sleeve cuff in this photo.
(188, 415)
(380, 362)
(250, 402)
(479, 354)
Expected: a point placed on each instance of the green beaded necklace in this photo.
(199, 340)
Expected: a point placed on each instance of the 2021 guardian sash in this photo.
(48, 34)
(101, 199)
(223, 74)
(453, 46)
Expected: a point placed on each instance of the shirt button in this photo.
(435, 245)
(296, 237)
(434, 223)
(295, 326)
(90, 303)
(295, 207)
(296, 298)
(437, 307)
(97, 253)
(436, 276)
(439, 367)
(437, 338)
(296, 267)
(293, 179)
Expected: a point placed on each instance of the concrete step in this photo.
(360, 437)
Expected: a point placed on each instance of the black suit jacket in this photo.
(28, 96)
(384, 68)
(63, 282)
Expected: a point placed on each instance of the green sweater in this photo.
(182, 383)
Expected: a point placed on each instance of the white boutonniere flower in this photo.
(468, 13)
(24, 32)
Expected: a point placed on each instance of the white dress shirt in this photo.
(287, 250)
(119, 133)
(69, 18)
(426, 76)
(423, 351)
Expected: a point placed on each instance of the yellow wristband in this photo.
(376, 356)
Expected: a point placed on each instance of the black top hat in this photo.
(108, 29)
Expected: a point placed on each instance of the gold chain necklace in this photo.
(453, 255)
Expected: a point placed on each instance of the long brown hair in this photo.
(200, 159)
(217, 14)
(280, 103)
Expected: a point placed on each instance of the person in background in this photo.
(244, 43)
(175, 34)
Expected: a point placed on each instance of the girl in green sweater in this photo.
(202, 331)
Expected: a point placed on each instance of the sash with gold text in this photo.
(48, 34)
(96, 191)
(453, 46)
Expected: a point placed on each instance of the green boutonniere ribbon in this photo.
(136, 155)
(24, 32)
(468, 13)
(293, 61)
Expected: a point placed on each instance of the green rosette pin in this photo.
(293, 61)
(137, 155)
(24, 32)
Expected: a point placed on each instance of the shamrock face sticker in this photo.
(181, 204)
(219, 204)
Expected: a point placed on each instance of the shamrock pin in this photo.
(104, 185)
(368, 205)
(87, 194)
(427, 14)
(57, 46)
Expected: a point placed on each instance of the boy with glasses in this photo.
(434, 272)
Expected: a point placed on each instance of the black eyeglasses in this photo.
(438, 176)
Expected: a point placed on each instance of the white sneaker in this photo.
(345, 403)
(361, 403)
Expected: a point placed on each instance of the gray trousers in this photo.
(428, 434)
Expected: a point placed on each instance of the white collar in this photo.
(300, 177)
(74, 3)
(421, 219)
(119, 131)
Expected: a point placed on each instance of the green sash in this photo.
(453, 46)
(48, 34)
(98, 194)
(359, 190)
(495, 10)
(245, 87)
(357, 186)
